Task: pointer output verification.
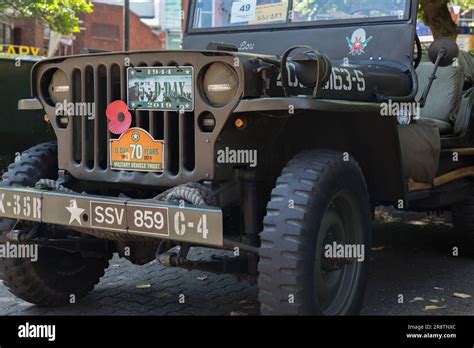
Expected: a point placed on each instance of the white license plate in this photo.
(168, 88)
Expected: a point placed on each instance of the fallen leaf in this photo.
(237, 314)
(416, 299)
(143, 286)
(434, 301)
(433, 308)
(436, 288)
(461, 295)
(244, 302)
(202, 278)
(25, 304)
(380, 248)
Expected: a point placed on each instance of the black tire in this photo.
(463, 222)
(292, 234)
(56, 275)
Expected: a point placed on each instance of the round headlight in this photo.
(58, 89)
(220, 84)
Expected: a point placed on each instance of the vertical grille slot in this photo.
(76, 121)
(115, 83)
(172, 145)
(113, 94)
(123, 83)
(100, 122)
(88, 125)
(157, 129)
(189, 142)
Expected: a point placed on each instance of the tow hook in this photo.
(174, 257)
(22, 236)
(177, 257)
(168, 259)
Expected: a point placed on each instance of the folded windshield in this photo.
(239, 13)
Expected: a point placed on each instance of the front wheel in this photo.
(315, 243)
(57, 276)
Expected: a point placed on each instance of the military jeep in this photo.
(272, 136)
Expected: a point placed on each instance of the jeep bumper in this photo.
(149, 218)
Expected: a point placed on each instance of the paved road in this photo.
(413, 258)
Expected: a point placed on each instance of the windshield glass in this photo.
(316, 10)
(223, 13)
(238, 13)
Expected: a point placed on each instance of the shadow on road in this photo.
(413, 258)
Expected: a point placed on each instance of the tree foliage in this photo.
(58, 15)
(436, 15)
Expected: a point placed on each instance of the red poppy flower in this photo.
(120, 119)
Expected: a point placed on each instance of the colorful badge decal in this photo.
(119, 117)
(358, 42)
(136, 150)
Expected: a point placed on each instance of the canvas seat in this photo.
(420, 142)
(444, 97)
(420, 146)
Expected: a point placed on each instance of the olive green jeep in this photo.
(273, 136)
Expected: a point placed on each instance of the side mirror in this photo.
(442, 53)
(446, 49)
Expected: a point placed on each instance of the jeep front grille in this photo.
(102, 85)
(101, 79)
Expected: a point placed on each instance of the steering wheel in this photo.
(419, 52)
(367, 11)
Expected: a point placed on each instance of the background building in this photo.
(154, 24)
(162, 16)
(103, 30)
(171, 16)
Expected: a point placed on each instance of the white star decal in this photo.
(75, 212)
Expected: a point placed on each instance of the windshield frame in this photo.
(303, 24)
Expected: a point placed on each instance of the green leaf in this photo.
(58, 15)
(461, 295)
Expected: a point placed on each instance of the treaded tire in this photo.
(463, 222)
(290, 234)
(56, 275)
